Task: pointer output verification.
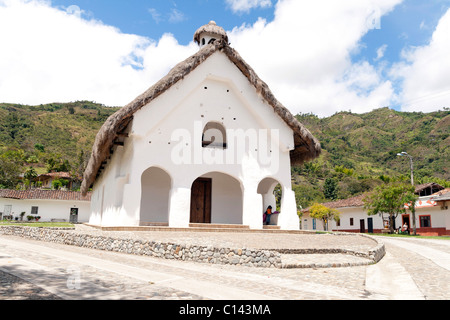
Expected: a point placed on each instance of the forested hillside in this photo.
(52, 137)
(359, 150)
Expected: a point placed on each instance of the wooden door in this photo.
(370, 225)
(362, 226)
(201, 201)
(405, 219)
(74, 215)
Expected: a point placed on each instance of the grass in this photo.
(38, 224)
(398, 235)
(409, 236)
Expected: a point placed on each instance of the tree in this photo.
(306, 195)
(10, 168)
(30, 175)
(56, 184)
(390, 199)
(57, 164)
(330, 188)
(39, 147)
(319, 211)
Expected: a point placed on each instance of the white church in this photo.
(207, 144)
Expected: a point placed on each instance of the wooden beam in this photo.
(123, 134)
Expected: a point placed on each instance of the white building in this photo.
(432, 215)
(50, 205)
(206, 144)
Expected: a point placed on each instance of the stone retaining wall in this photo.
(205, 254)
(375, 254)
(196, 253)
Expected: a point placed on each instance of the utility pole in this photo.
(413, 207)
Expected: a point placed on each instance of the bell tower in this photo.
(209, 33)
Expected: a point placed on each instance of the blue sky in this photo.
(153, 18)
(410, 24)
(328, 56)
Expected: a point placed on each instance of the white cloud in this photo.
(173, 16)
(425, 72)
(305, 55)
(381, 51)
(156, 16)
(239, 6)
(59, 57)
(176, 16)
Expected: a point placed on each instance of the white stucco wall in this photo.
(439, 219)
(347, 215)
(167, 134)
(227, 201)
(48, 209)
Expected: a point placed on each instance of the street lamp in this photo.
(404, 154)
(413, 209)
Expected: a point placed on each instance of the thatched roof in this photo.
(432, 186)
(56, 175)
(307, 147)
(212, 29)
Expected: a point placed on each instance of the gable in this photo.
(215, 92)
(306, 147)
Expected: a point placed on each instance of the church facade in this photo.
(207, 144)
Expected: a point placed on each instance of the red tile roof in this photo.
(56, 175)
(354, 202)
(39, 194)
(442, 192)
(347, 203)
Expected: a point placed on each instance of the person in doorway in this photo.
(267, 215)
(405, 227)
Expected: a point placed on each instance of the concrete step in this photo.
(200, 227)
(154, 224)
(269, 227)
(217, 226)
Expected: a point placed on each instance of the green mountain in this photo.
(359, 150)
(57, 136)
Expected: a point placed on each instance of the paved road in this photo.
(413, 269)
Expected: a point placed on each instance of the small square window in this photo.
(425, 221)
(34, 210)
(8, 209)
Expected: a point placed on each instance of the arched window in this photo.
(214, 136)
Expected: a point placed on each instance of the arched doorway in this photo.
(155, 195)
(271, 192)
(216, 198)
